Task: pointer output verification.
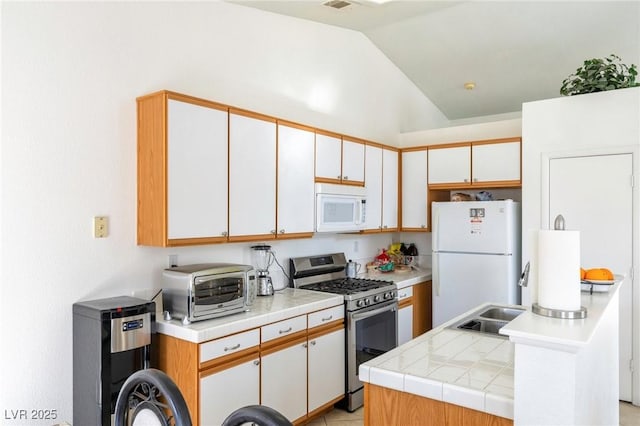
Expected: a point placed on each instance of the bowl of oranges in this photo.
(597, 279)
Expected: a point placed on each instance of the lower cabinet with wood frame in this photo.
(295, 366)
(384, 406)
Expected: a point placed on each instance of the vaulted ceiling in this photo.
(513, 51)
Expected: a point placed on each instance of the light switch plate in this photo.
(100, 227)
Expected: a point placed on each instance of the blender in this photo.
(262, 259)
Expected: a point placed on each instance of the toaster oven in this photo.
(208, 290)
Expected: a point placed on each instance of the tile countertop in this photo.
(402, 279)
(472, 370)
(286, 303)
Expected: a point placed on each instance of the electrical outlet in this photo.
(100, 227)
(355, 246)
(173, 260)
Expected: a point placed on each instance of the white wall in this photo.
(70, 76)
(511, 127)
(582, 125)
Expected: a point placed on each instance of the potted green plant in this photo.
(597, 75)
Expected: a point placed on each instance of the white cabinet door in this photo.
(496, 162)
(296, 194)
(352, 161)
(328, 157)
(197, 171)
(595, 196)
(252, 176)
(284, 381)
(405, 324)
(414, 189)
(326, 368)
(449, 165)
(373, 187)
(389, 189)
(224, 392)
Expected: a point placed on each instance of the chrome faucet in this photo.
(524, 278)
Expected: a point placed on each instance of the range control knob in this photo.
(376, 298)
(359, 303)
(367, 301)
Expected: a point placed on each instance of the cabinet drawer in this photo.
(405, 293)
(228, 345)
(326, 316)
(283, 328)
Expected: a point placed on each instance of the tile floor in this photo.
(629, 416)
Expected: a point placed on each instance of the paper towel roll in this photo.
(559, 270)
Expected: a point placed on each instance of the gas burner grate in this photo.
(347, 285)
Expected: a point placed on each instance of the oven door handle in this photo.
(361, 315)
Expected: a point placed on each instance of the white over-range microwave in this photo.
(340, 208)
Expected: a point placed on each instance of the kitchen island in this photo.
(550, 371)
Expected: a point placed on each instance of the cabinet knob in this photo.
(256, 362)
(313, 343)
(423, 226)
(475, 179)
(304, 345)
(282, 231)
(339, 177)
(225, 233)
(466, 180)
(385, 226)
(273, 231)
(346, 178)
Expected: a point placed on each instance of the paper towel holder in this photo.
(559, 225)
(559, 313)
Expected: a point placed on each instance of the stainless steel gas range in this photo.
(371, 312)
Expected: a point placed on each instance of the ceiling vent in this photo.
(337, 4)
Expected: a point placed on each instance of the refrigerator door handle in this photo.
(435, 235)
(435, 272)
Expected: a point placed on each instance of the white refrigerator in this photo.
(476, 255)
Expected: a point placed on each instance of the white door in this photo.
(496, 161)
(389, 189)
(405, 324)
(414, 189)
(449, 165)
(373, 186)
(475, 226)
(197, 170)
(595, 196)
(328, 156)
(352, 161)
(326, 368)
(224, 392)
(296, 196)
(463, 281)
(284, 381)
(252, 176)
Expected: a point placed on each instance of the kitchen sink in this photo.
(501, 313)
(488, 320)
(482, 325)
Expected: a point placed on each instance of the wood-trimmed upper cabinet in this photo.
(296, 196)
(390, 159)
(252, 176)
(182, 170)
(414, 191)
(381, 184)
(339, 159)
(487, 164)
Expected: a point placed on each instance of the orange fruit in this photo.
(598, 274)
(582, 273)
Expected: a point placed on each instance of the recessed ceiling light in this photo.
(470, 85)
